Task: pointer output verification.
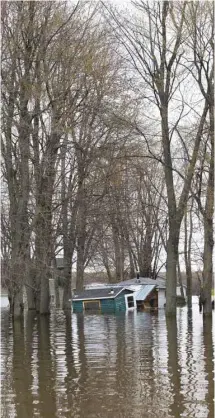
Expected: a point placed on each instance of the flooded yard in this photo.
(110, 366)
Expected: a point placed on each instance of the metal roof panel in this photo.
(144, 292)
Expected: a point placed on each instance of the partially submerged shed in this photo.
(105, 299)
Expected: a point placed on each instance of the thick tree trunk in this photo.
(43, 259)
(18, 305)
(81, 221)
(55, 281)
(81, 241)
(30, 287)
(44, 295)
(208, 226)
(118, 251)
(31, 298)
(131, 262)
(208, 332)
(67, 294)
(68, 232)
(67, 291)
(208, 266)
(180, 281)
(146, 270)
(110, 277)
(15, 291)
(57, 293)
(171, 274)
(80, 262)
(43, 263)
(187, 256)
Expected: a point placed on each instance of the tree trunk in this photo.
(57, 293)
(67, 291)
(44, 295)
(18, 305)
(131, 262)
(80, 261)
(30, 287)
(208, 227)
(171, 274)
(147, 251)
(118, 251)
(30, 296)
(208, 329)
(208, 266)
(180, 281)
(43, 255)
(110, 277)
(81, 239)
(43, 263)
(187, 256)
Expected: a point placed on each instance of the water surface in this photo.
(110, 366)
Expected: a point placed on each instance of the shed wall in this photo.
(107, 305)
(77, 306)
(120, 303)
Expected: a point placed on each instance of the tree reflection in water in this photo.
(22, 377)
(46, 370)
(209, 364)
(177, 405)
(118, 366)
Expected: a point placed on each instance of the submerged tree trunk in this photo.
(208, 227)
(57, 293)
(30, 285)
(43, 264)
(171, 272)
(67, 291)
(17, 304)
(187, 255)
(180, 281)
(68, 228)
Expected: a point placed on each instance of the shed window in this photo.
(130, 301)
(92, 305)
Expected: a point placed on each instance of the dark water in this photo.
(130, 365)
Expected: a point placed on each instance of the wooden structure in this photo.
(104, 300)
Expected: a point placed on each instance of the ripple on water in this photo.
(129, 365)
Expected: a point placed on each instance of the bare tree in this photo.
(200, 27)
(156, 52)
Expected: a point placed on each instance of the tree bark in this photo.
(187, 256)
(180, 281)
(171, 271)
(80, 257)
(208, 227)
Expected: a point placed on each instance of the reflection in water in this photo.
(121, 366)
(209, 366)
(174, 368)
(46, 369)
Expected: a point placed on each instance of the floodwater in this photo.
(110, 366)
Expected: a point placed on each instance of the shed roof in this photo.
(160, 283)
(144, 292)
(99, 293)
